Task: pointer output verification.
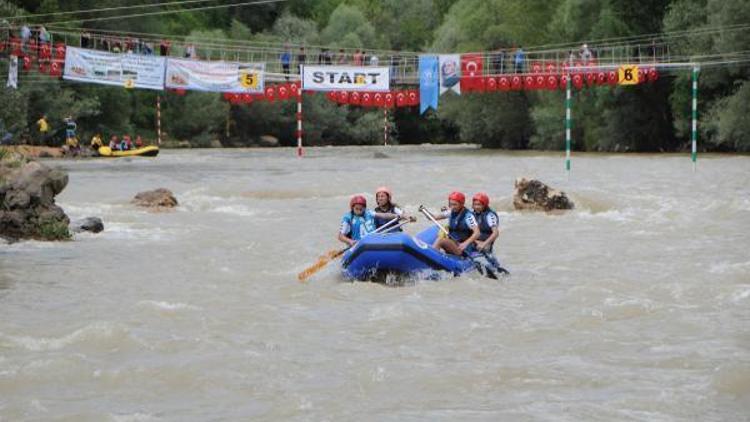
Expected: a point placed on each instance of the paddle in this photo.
(483, 269)
(335, 253)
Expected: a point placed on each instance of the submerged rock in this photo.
(27, 203)
(88, 224)
(379, 154)
(531, 194)
(158, 198)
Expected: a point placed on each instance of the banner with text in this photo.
(345, 78)
(215, 76)
(126, 70)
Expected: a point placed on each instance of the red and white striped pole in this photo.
(299, 122)
(158, 119)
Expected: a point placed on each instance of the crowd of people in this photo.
(469, 230)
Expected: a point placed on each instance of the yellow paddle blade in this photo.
(322, 262)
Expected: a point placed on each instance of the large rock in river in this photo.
(27, 203)
(531, 194)
(157, 198)
(88, 224)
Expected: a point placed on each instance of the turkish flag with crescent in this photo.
(471, 71)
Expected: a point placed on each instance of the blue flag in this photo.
(429, 89)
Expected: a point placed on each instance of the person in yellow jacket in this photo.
(96, 142)
(43, 127)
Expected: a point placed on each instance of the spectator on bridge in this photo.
(25, 36)
(519, 60)
(585, 54)
(497, 61)
(374, 61)
(164, 47)
(358, 58)
(43, 35)
(286, 60)
(327, 56)
(301, 58)
(342, 58)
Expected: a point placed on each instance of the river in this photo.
(634, 306)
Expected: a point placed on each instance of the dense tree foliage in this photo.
(652, 117)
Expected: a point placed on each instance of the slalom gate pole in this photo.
(158, 119)
(694, 131)
(568, 124)
(299, 123)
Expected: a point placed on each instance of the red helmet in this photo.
(384, 189)
(457, 196)
(357, 200)
(483, 198)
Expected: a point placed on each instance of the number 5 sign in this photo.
(628, 75)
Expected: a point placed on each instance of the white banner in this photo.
(215, 76)
(450, 73)
(101, 67)
(12, 73)
(345, 78)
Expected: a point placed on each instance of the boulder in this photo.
(158, 198)
(268, 141)
(88, 224)
(380, 155)
(27, 203)
(531, 194)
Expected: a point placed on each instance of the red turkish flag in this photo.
(294, 89)
(15, 47)
(332, 96)
(378, 100)
(564, 81)
(653, 74)
(540, 82)
(26, 63)
(270, 93)
(612, 77)
(344, 97)
(45, 52)
(491, 84)
(642, 75)
(516, 83)
(355, 98)
(601, 78)
(551, 82)
(366, 99)
(471, 70)
(578, 80)
(401, 99)
(551, 68)
(413, 97)
(504, 83)
(247, 98)
(43, 67)
(590, 78)
(390, 99)
(536, 67)
(60, 51)
(56, 68)
(529, 82)
(283, 91)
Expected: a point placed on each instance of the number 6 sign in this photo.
(628, 75)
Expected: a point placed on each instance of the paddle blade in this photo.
(322, 262)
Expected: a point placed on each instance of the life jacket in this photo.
(382, 221)
(484, 228)
(457, 228)
(359, 225)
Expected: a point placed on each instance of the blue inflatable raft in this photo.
(401, 254)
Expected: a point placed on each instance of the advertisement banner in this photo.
(102, 67)
(345, 78)
(207, 76)
(450, 73)
(428, 83)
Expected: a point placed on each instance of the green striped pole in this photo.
(694, 132)
(568, 124)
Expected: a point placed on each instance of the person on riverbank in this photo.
(463, 229)
(359, 221)
(487, 221)
(43, 127)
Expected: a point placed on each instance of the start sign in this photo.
(628, 75)
(345, 78)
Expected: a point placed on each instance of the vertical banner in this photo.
(12, 73)
(471, 71)
(450, 73)
(428, 83)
